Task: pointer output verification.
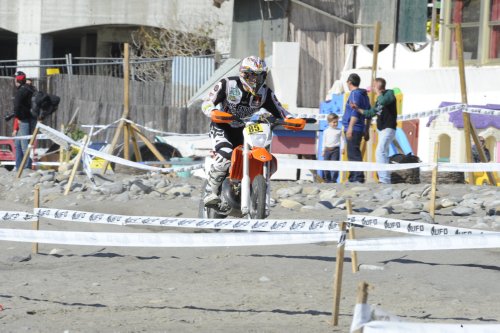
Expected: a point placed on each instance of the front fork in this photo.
(267, 175)
(245, 181)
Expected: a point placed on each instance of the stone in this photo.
(493, 210)
(362, 210)
(381, 211)
(183, 190)
(324, 205)
(307, 208)
(288, 191)
(49, 177)
(328, 194)
(446, 202)
(310, 190)
(291, 204)
(472, 203)
(338, 201)
(426, 217)
(462, 211)
(112, 188)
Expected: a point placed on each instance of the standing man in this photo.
(354, 124)
(386, 112)
(22, 107)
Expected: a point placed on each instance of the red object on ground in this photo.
(7, 150)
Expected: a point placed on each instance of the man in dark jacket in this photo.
(354, 125)
(22, 106)
(386, 112)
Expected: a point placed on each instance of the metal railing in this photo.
(139, 67)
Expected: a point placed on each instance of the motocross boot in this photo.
(216, 176)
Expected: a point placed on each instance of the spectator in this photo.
(386, 112)
(475, 151)
(331, 146)
(22, 107)
(354, 124)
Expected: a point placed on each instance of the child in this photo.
(331, 146)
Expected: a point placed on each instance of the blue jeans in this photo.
(331, 155)
(385, 138)
(25, 128)
(354, 154)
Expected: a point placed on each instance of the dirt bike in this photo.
(246, 190)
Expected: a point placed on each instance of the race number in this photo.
(254, 128)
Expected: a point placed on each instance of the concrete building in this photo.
(30, 30)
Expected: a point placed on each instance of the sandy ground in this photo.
(245, 289)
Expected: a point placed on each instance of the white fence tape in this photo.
(370, 166)
(485, 241)
(375, 320)
(6, 216)
(163, 239)
(24, 137)
(62, 139)
(303, 226)
(410, 227)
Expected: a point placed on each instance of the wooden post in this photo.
(77, 162)
(337, 282)
(27, 153)
(362, 298)
(137, 151)
(126, 78)
(432, 205)
(352, 235)
(463, 91)
(376, 42)
(126, 139)
(36, 224)
(61, 150)
(148, 143)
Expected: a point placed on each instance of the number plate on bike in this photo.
(254, 128)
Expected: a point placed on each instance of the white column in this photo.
(29, 38)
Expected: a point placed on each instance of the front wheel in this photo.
(258, 198)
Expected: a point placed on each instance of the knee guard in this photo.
(217, 173)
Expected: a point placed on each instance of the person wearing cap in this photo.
(475, 151)
(354, 124)
(22, 107)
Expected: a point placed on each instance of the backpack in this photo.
(43, 104)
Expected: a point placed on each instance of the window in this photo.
(480, 21)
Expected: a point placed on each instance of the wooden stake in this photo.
(362, 298)
(36, 224)
(137, 151)
(126, 78)
(463, 91)
(337, 283)
(148, 143)
(432, 206)
(352, 235)
(126, 139)
(376, 43)
(77, 163)
(27, 153)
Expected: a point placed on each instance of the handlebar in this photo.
(297, 124)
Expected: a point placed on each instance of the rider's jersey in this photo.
(229, 93)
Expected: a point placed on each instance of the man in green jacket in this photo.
(386, 112)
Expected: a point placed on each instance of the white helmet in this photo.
(253, 73)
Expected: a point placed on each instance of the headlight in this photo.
(258, 140)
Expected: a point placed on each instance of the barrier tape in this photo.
(370, 166)
(6, 216)
(375, 320)
(226, 224)
(484, 241)
(57, 136)
(163, 239)
(415, 228)
(24, 137)
(346, 165)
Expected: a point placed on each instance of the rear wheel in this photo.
(258, 198)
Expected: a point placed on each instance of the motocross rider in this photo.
(240, 96)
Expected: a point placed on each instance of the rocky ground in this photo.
(252, 289)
